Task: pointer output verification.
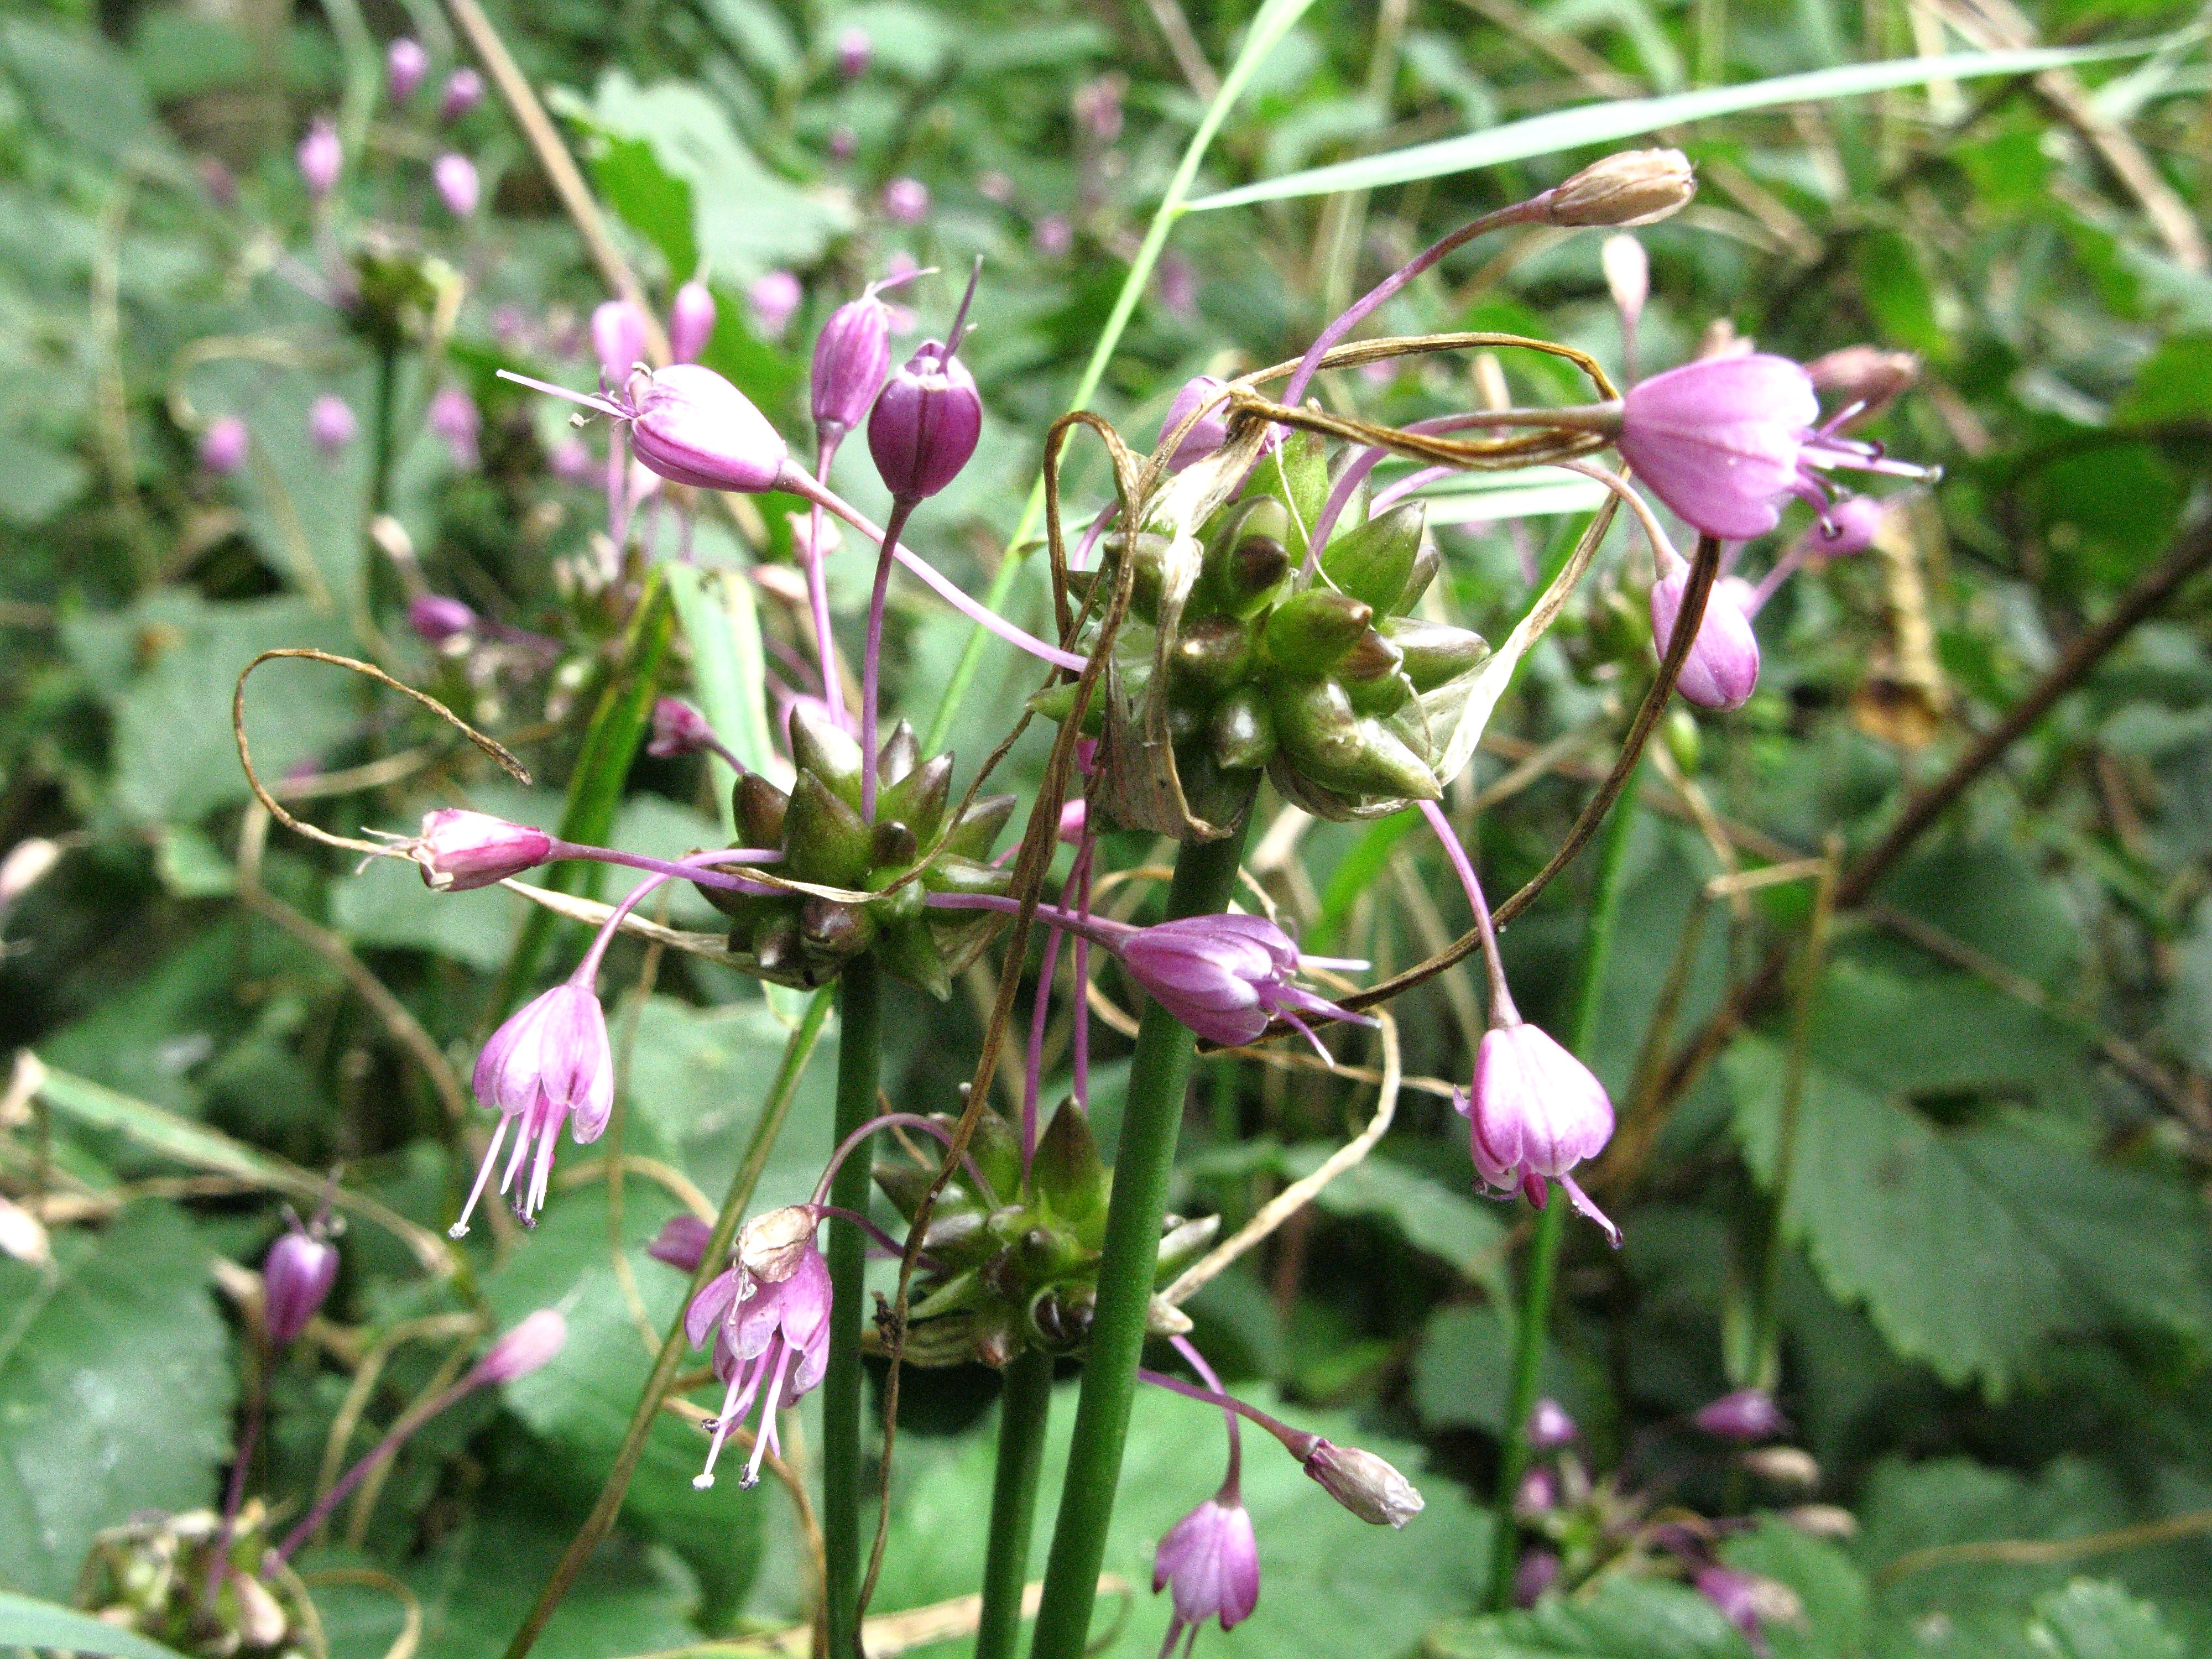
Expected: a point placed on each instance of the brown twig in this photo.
(2044, 1551)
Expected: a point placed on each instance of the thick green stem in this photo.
(1023, 1409)
(796, 1053)
(860, 1024)
(1159, 1075)
(1550, 1225)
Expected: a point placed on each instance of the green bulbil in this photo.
(1435, 654)
(1241, 732)
(1309, 633)
(1374, 561)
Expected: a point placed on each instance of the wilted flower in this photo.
(1536, 1111)
(1365, 1484)
(769, 1316)
(436, 618)
(1209, 1562)
(455, 176)
(854, 51)
(406, 63)
(1743, 1414)
(906, 200)
(459, 850)
(774, 297)
(1635, 187)
(1722, 440)
(296, 1276)
(691, 321)
(331, 424)
(465, 90)
(530, 1346)
(1722, 669)
(224, 445)
(548, 1062)
(1224, 977)
(320, 158)
(453, 416)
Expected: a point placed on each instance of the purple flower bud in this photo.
(455, 176)
(1365, 1484)
(1209, 1562)
(1098, 107)
(1550, 1428)
(465, 90)
(458, 849)
(854, 51)
(455, 418)
(843, 142)
(775, 297)
(406, 64)
(1539, 1569)
(1538, 1493)
(1848, 527)
(618, 339)
(571, 460)
(927, 418)
(224, 445)
(1536, 1111)
(906, 200)
(768, 1317)
(331, 424)
(296, 1276)
(1744, 1415)
(678, 729)
(1722, 440)
(693, 426)
(1745, 1602)
(1721, 671)
(1224, 977)
(1212, 430)
(690, 321)
(320, 158)
(528, 1348)
(1073, 817)
(547, 1061)
(1053, 236)
(682, 1243)
(436, 618)
(852, 355)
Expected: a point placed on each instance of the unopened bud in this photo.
(693, 426)
(1787, 1466)
(459, 187)
(295, 1279)
(681, 1243)
(224, 445)
(1822, 1520)
(465, 90)
(22, 1235)
(1745, 1414)
(25, 866)
(1549, 1425)
(438, 617)
(460, 850)
(617, 339)
(690, 321)
(1365, 1484)
(678, 729)
(1865, 375)
(1636, 187)
(529, 1347)
(406, 63)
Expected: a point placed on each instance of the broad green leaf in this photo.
(37, 480)
(2174, 382)
(1622, 1618)
(116, 1388)
(388, 907)
(2093, 1619)
(26, 1622)
(1463, 1370)
(1630, 118)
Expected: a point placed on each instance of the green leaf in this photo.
(37, 481)
(1621, 1618)
(2093, 1619)
(1630, 118)
(2173, 384)
(116, 1389)
(1446, 1222)
(25, 1622)
(719, 617)
(1463, 1370)
(2034, 1239)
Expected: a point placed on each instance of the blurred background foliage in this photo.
(1995, 1305)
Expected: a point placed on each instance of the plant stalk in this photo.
(1550, 1224)
(1159, 1076)
(859, 1025)
(1023, 1410)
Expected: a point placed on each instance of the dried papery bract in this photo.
(1635, 187)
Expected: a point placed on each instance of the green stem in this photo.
(860, 1024)
(1159, 1076)
(1550, 1224)
(386, 439)
(796, 1053)
(1023, 1409)
(1273, 22)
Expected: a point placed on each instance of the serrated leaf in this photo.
(116, 1389)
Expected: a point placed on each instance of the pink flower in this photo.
(681, 1243)
(769, 1314)
(320, 158)
(854, 51)
(618, 339)
(436, 618)
(692, 426)
(296, 1278)
(1212, 428)
(1744, 1415)
(1848, 527)
(571, 460)
(690, 321)
(459, 188)
(465, 90)
(678, 729)
(1209, 1562)
(406, 63)
(1549, 1425)
(1053, 236)
(455, 418)
(1723, 440)
(906, 200)
(774, 297)
(332, 423)
(1224, 977)
(459, 850)
(546, 1063)
(225, 445)
(530, 1346)
(1536, 1111)
(1721, 670)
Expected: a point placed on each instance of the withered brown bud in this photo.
(1636, 187)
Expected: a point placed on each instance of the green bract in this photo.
(804, 938)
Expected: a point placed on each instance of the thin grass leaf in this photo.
(716, 611)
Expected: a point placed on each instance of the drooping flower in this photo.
(768, 1314)
(1224, 977)
(906, 200)
(454, 418)
(531, 1346)
(459, 850)
(296, 1276)
(320, 158)
(1209, 1562)
(854, 51)
(690, 321)
(225, 445)
(465, 90)
(1724, 441)
(459, 188)
(406, 63)
(927, 418)
(546, 1064)
(1534, 1112)
(332, 423)
(1721, 670)
(1742, 1414)
(775, 297)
